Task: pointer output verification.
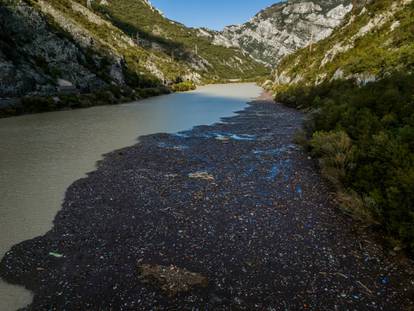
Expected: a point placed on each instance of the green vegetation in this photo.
(362, 131)
(183, 86)
(364, 137)
(109, 96)
(122, 41)
(386, 48)
(184, 45)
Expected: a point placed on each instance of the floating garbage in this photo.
(250, 170)
(210, 210)
(226, 136)
(276, 151)
(243, 137)
(182, 135)
(56, 255)
(274, 171)
(385, 280)
(170, 146)
(222, 138)
(171, 279)
(298, 190)
(201, 175)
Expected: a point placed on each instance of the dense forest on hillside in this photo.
(359, 87)
(364, 137)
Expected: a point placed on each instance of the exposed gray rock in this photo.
(339, 74)
(117, 72)
(283, 28)
(33, 56)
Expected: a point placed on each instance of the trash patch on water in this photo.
(222, 137)
(249, 170)
(201, 175)
(171, 279)
(56, 255)
(182, 135)
(298, 190)
(281, 168)
(274, 171)
(225, 136)
(243, 137)
(171, 146)
(275, 151)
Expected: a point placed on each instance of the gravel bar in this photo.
(236, 207)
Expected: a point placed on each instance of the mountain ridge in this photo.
(372, 43)
(284, 27)
(357, 86)
(104, 45)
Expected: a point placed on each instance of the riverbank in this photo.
(236, 202)
(113, 95)
(43, 154)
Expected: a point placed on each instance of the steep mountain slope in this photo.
(180, 42)
(375, 41)
(48, 46)
(359, 85)
(284, 27)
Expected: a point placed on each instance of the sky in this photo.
(213, 14)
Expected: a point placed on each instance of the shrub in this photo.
(37, 104)
(364, 137)
(183, 86)
(149, 92)
(334, 150)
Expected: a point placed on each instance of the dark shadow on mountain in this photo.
(177, 50)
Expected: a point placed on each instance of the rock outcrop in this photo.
(374, 41)
(96, 44)
(34, 56)
(283, 28)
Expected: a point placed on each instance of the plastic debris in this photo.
(385, 280)
(171, 279)
(148, 234)
(201, 175)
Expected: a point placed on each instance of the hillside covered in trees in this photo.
(359, 87)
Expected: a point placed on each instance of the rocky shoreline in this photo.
(232, 216)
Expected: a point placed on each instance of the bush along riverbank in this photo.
(364, 139)
(111, 95)
(183, 86)
(108, 96)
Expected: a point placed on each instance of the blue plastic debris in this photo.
(385, 280)
(298, 190)
(274, 171)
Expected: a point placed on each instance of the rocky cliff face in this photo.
(283, 28)
(58, 45)
(375, 41)
(36, 58)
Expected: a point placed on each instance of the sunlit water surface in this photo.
(42, 154)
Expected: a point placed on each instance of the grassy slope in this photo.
(379, 52)
(111, 40)
(170, 46)
(363, 134)
(167, 53)
(136, 17)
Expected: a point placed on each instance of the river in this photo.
(42, 154)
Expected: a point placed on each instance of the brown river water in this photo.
(42, 154)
